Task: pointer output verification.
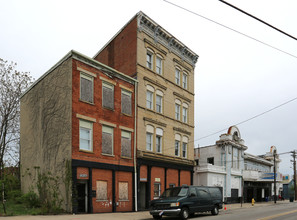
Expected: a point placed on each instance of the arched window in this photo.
(149, 137)
(177, 145)
(159, 140)
(185, 147)
(159, 101)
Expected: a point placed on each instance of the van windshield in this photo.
(175, 192)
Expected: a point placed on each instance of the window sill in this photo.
(86, 151)
(108, 155)
(124, 200)
(111, 109)
(128, 115)
(90, 103)
(128, 158)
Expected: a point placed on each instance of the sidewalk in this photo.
(143, 215)
(249, 205)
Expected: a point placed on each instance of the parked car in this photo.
(186, 200)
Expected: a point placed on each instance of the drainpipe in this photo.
(135, 150)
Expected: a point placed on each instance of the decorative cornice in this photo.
(164, 158)
(232, 143)
(154, 82)
(154, 121)
(182, 97)
(181, 130)
(181, 64)
(160, 35)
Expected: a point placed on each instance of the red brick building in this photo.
(83, 112)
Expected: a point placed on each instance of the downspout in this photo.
(135, 150)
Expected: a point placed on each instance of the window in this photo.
(123, 191)
(126, 144)
(177, 111)
(210, 160)
(126, 102)
(177, 76)
(101, 190)
(85, 135)
(149, 141)
(159, 135)
(176, 152)
(107, 140)
(86, 88)
(159, 103)
(185, 115)
(157, 190)
(192, 191)
(107, 95)
(185, 81)
(149, 99)
(177, 145)
(159, 65)
(184, 150)
(197, 162)
(149, 60)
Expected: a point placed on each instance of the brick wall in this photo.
(120, 53)
(97, 112)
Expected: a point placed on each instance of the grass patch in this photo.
(15, 208)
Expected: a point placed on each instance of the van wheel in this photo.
(184, 213)
(157, 216)
(215, 211)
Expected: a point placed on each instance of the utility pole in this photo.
(294, 158)
(274, 171)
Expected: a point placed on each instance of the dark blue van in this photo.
(186, 200)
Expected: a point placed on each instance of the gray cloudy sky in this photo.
(236, 78)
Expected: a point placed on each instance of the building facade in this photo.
(239, 174)
(78, 125)
(164, 68)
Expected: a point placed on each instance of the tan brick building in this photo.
(164, 68)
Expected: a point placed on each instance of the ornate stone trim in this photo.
(161, 36)
(154, 82)
(154, 121)
(155, 46)
(182, 97)
(181, 64)
(181, 130)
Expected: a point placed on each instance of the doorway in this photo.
(82, 197)
(142, 195)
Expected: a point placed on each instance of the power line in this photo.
(249, 119)
(238, 32)
(258, 19)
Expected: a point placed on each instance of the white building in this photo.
(240, 174)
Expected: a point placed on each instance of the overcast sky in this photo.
(236, 78)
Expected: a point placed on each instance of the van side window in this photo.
(203, 193)
(193, 191)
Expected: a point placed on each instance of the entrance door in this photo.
(142, 195)
(82, 197)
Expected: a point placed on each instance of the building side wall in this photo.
(120, 53)
(46, 131)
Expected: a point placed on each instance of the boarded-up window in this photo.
(107, 95)
(107, 140)
(123, 191)
(101, 192)
(86, 88)
(126, 144)
(126, 102)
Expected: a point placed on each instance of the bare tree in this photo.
(12, 84)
